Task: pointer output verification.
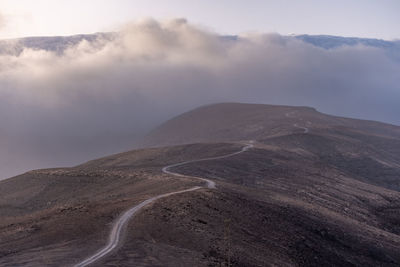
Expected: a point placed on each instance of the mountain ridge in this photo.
(223, 112)
(59, 43)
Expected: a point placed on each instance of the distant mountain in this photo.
(56, 44)
(392, 48)
(60, 43)
(329, 41)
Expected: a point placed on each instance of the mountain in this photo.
(329, 41)
(235, 121)
(311, 190)
(58, 44)
(392, 48)
(363, 148)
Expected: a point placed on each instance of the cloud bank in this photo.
(97, 95)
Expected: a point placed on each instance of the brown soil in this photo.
(330, 197)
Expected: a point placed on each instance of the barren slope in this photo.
(236, 121)
(328, 196)
(366, 150)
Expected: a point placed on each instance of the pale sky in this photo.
(361, 18)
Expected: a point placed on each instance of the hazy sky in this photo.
(362, 18)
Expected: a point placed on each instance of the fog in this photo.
(99, 96)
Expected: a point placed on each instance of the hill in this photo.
(315, 190)
(369, 150)
(236, 121)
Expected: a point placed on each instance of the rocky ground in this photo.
(326, 197)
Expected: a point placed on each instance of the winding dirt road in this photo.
(289, 115)
(305, 129)
(115, 237)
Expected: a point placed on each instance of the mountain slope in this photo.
(391, 48)
(57, 44)
(60, 43)
(315, 190)
(270, 207)
(234, 121)
(368, 150)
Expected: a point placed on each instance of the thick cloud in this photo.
(96, 96)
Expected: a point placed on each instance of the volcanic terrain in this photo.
(314, 190)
